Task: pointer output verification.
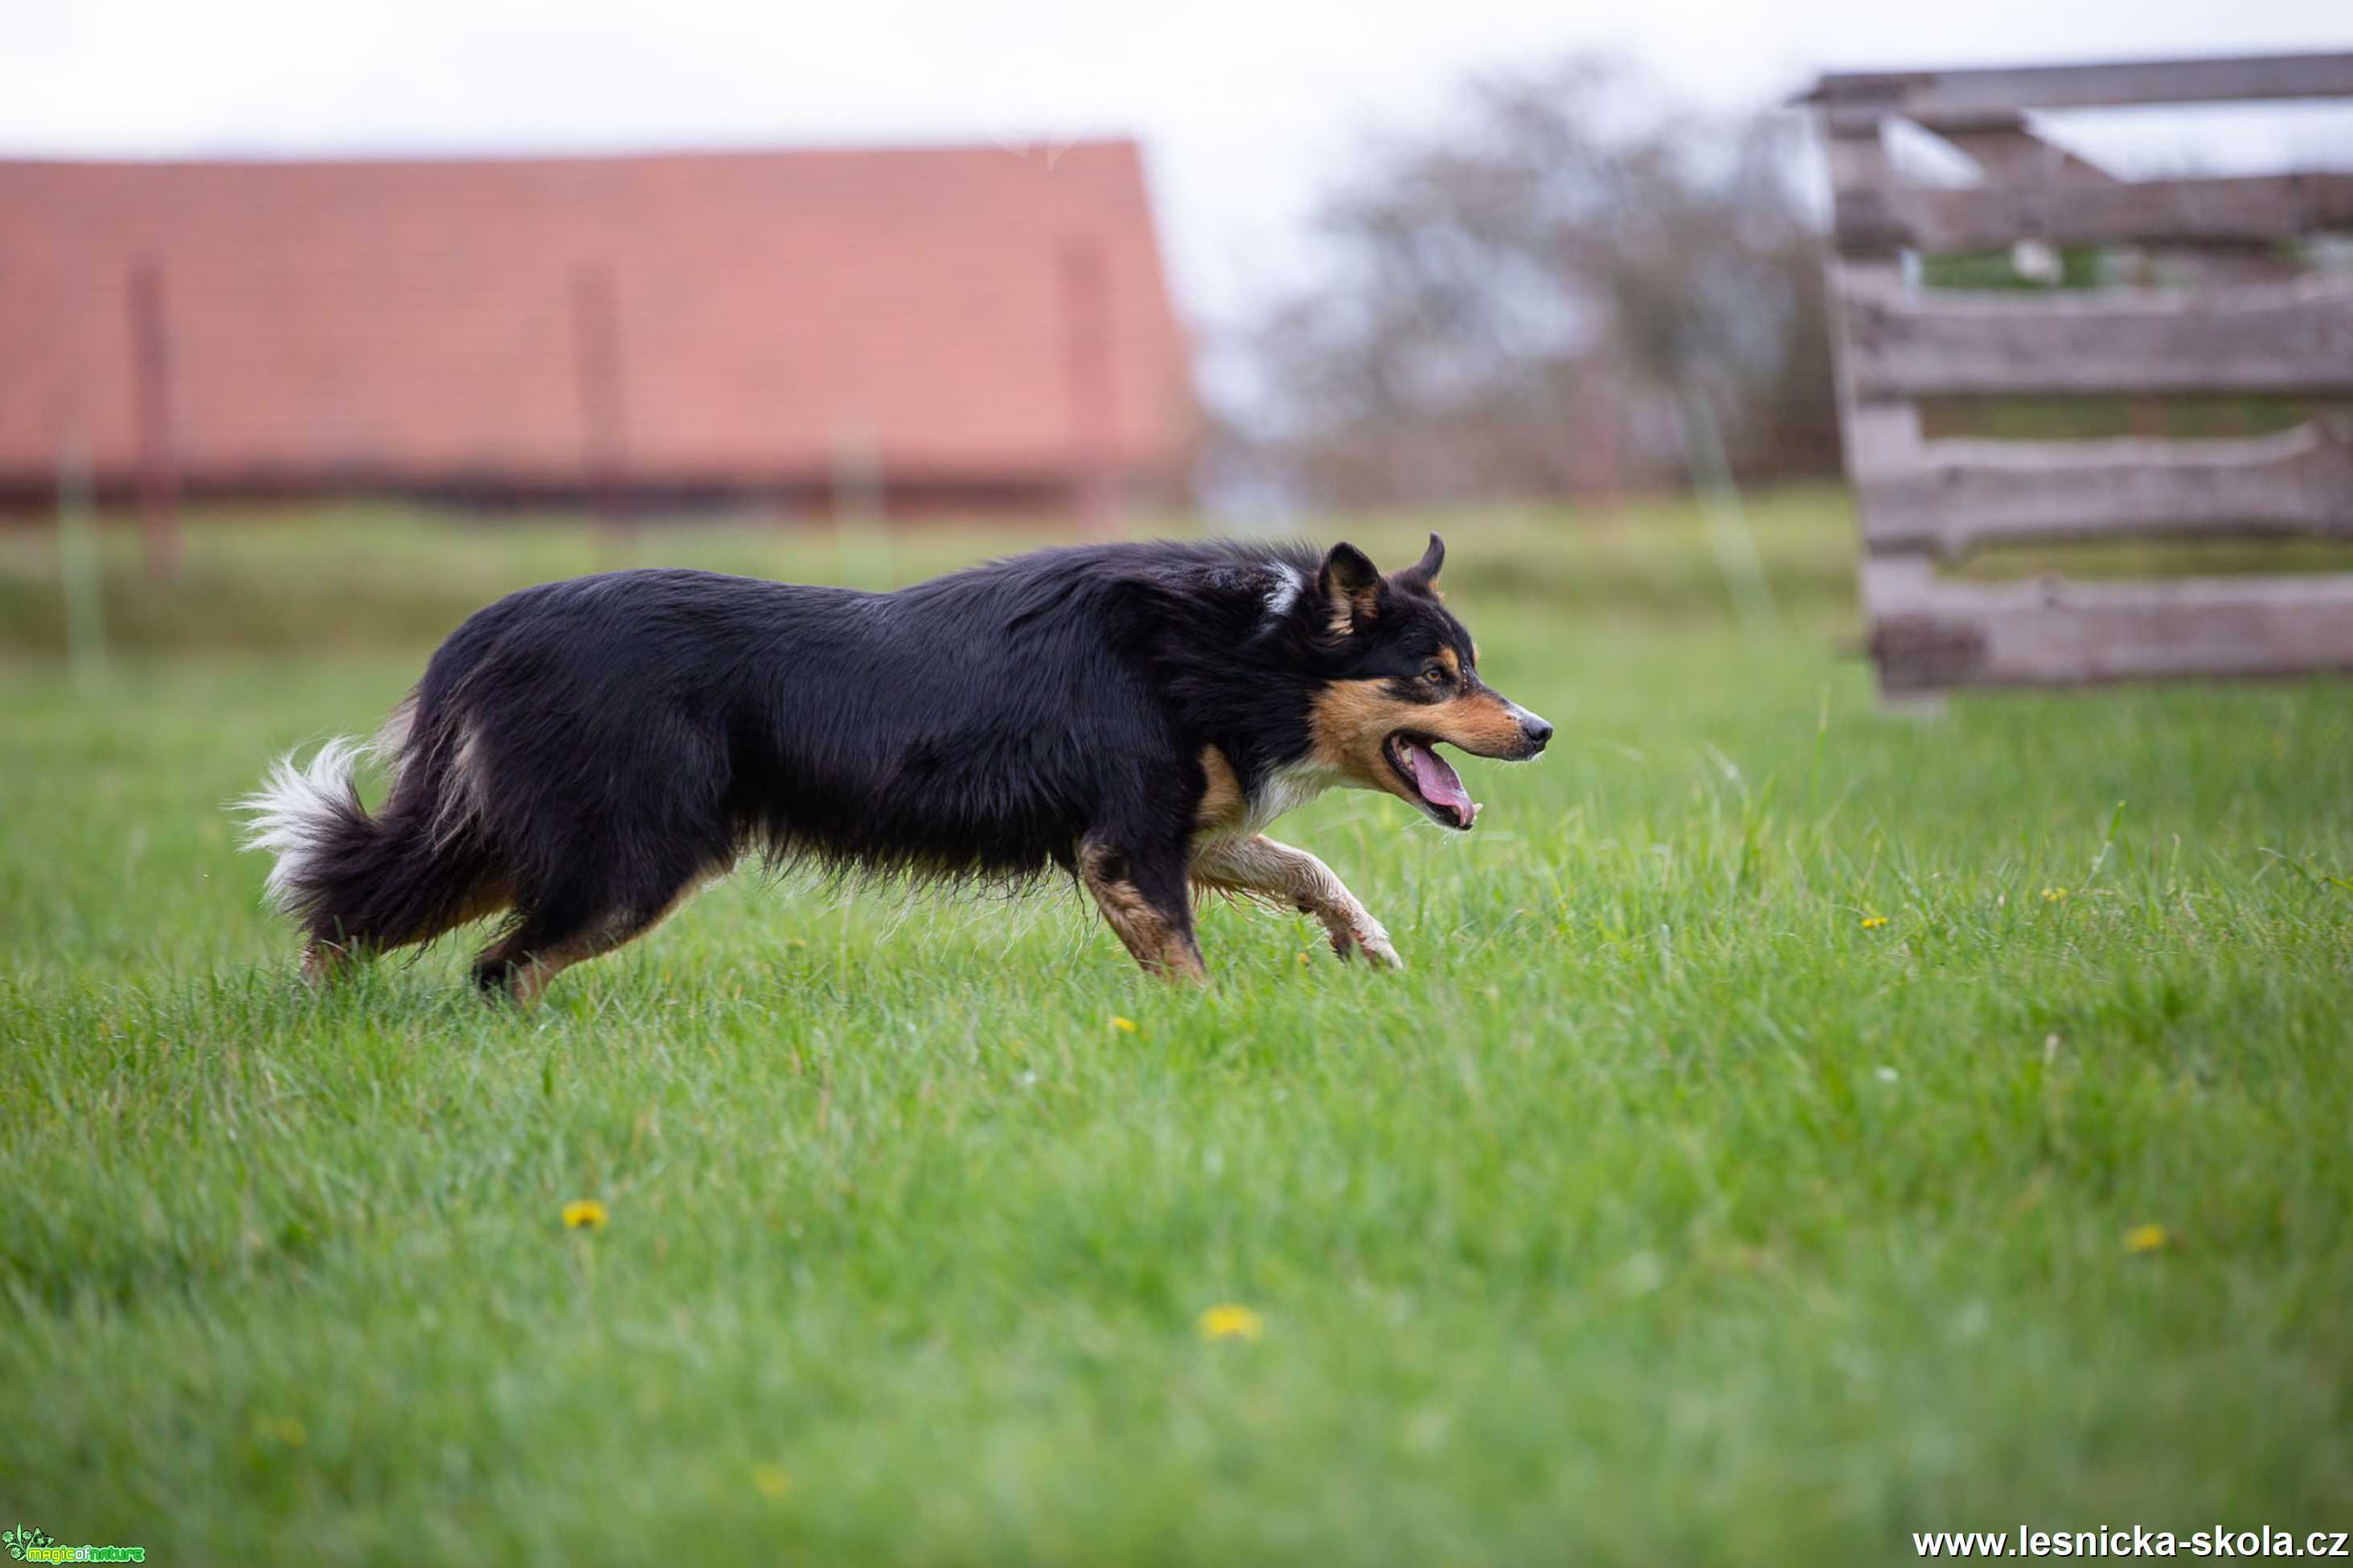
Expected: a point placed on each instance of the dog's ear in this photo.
(1350, 586)
(1423, 572)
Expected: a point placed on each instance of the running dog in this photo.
(585, 754)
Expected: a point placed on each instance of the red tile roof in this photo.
(425, 322)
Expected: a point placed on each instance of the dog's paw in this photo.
(1368, 938)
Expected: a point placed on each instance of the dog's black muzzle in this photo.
(1534, 732)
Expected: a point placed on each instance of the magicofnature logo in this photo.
(20, 1538)
(27, 1544)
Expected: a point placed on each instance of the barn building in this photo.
(983, 329)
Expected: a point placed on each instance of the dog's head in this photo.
(1404, 679)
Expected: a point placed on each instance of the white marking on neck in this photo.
(1284, 591)
(1292, 786)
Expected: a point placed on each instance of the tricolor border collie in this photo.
(584, 754)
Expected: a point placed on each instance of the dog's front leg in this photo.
(1142, 895)
(1261, 867)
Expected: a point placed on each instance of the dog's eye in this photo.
(1435, 674)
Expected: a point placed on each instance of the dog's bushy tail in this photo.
(350, 878)
(310, 818)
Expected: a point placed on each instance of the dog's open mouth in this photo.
(1435, 786)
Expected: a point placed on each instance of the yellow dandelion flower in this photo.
(2146, 1238)
(773, 1481)
(1228, 1322)
(2053, 895)
(1124, 1026)
(1872, 922)
(585, 1212)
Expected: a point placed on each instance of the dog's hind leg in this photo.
(577, 922)
(1143, 897)
(519, 965)
(1263, 869)
(328, 954)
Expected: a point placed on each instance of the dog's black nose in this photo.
(1537, 730)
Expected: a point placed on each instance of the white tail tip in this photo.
(294, 813)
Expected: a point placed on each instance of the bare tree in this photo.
(1529, 300)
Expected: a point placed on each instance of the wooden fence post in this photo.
(1087, 340)
(1598, 474)
(861, 523)
(80, 570)
(604, 407)
(159, 475)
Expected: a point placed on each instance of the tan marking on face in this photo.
(1447, 656)
(1350, 720)
(1160, 945)
(1222, 803)
(1479, 722)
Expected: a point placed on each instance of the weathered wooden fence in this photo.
(2243, 315)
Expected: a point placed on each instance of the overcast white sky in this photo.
(1244, 107)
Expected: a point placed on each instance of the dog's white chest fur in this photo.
(1283, 789)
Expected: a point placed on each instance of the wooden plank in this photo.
(2008, 151)
(1879, 437)
(2223, 266)
(2078, 210)
(2291, 338)
(1969, 495)
(1961, 96)
(1927, 633)
(1863, 187)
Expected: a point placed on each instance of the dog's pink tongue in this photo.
(1439, 783)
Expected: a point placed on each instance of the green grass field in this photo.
(1672, 1208)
